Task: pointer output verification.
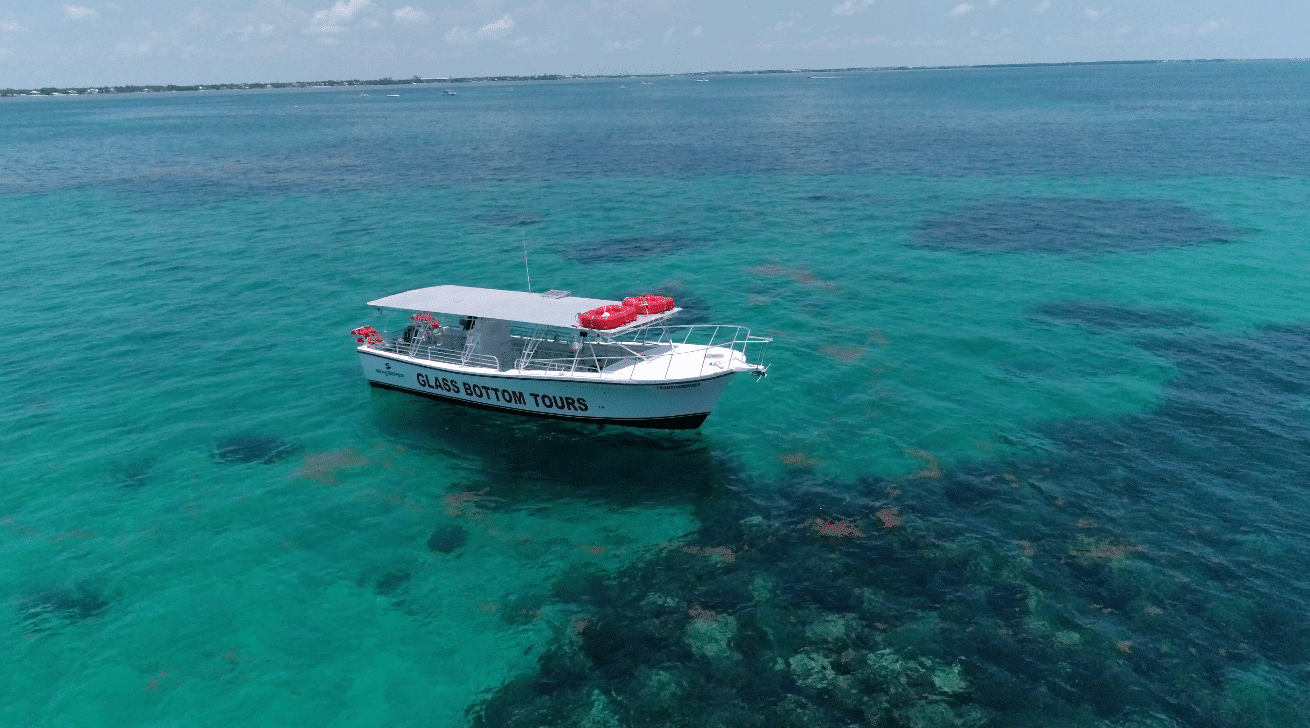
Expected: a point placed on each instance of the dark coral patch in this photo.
(511, 218)
(1073, 225)
(262, 449)
(445, 539)
(390, 582)
(134, 473)
(1104, 315)
(47, 609)
(617, 250)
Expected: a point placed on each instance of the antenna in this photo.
(523, 240)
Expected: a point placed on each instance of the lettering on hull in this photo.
(674, 422)
(501, 395)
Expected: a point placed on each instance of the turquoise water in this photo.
(1039, 373)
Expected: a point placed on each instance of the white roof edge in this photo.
(530, 308)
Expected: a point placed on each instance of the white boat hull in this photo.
(678, 404)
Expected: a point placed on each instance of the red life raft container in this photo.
(607, 317)
(366, 335)
(649, 304)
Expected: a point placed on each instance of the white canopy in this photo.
(530, 308)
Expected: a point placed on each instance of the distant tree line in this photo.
(388, 81)
(151, 88)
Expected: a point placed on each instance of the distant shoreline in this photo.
(418, 80)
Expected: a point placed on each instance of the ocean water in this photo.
(1032, 451)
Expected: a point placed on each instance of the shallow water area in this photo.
(1030, 451)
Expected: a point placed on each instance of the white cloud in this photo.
(332, 22)
(1041, 7)
(459, 35)
(78, 12)
(961, 9)
(247, 33)
(624, 45)
(1092, 14)
(851, 7)
(535, 44)
(129, 50)
(792, 23)
(12, 27)
(671, 34)
(497, 29)
(341, 13)
(1209, 26)
(410, 15)
(993, 3)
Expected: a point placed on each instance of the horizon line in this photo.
(424, 80)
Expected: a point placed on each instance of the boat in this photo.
(448, 92)
(557, 355)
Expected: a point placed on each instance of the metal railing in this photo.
(711, 345)
(432, 352)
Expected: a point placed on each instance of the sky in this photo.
(140, 42)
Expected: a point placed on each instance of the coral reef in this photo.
(1071, 586)
(445, 539)
(48, 609)
(1073, 225)
(618, 250)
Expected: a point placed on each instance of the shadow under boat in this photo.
(527, 459)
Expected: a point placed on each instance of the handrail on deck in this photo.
(679, 341)
(435, 353)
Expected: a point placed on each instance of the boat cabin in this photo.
(544, 333)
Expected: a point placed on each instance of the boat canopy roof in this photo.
(530, 308)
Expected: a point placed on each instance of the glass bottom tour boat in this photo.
(557, 355)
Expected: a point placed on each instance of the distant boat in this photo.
(448, 92)
(363, 94)
(702, 80)
(646, 83)
(396, 95)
